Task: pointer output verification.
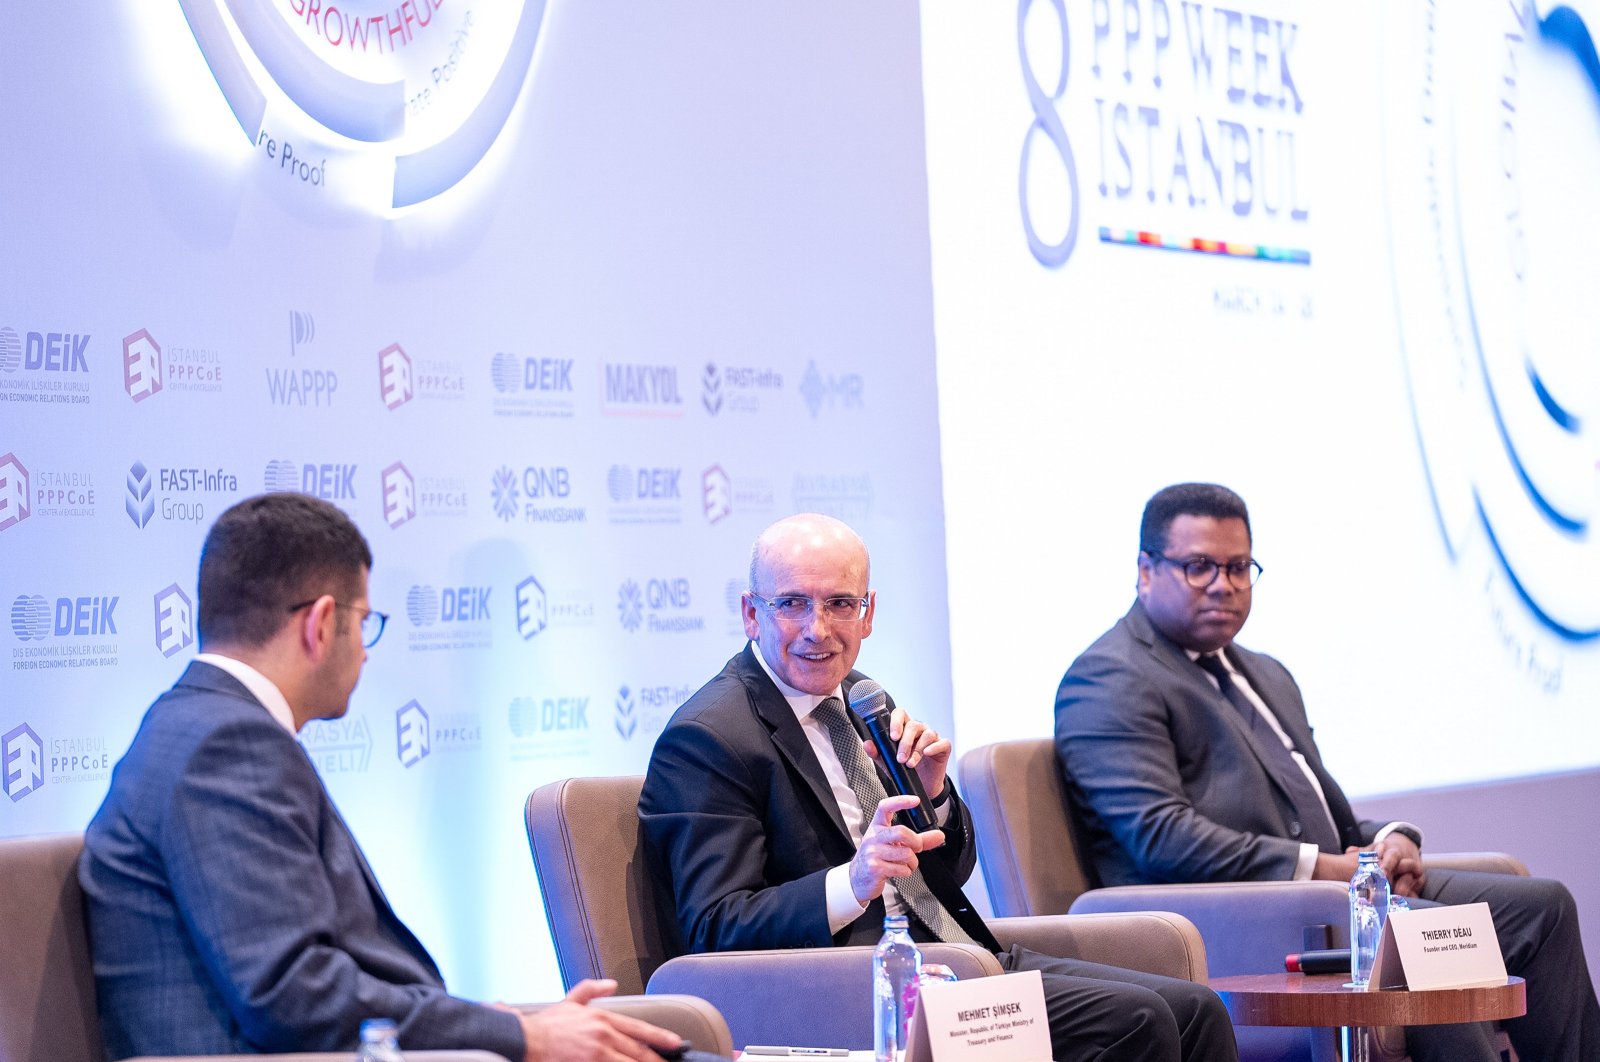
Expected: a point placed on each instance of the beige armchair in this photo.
(47, 993)
(608, 920)
(1031, 867)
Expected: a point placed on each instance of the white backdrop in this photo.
(561, 386)
(1407, 401)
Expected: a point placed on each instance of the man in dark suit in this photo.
(230, 910)
(762, 810)
(1188, 758)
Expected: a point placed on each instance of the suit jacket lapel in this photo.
(789, 738)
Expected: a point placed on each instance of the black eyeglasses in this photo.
(372, 622)
(1201, 572)
(794, 607)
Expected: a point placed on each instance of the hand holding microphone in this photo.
(924, 750)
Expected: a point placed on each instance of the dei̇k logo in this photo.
(67, 632)
(644, 495)
(330, 481)
(376, 108)
(399, 382)
(44, 367)
(454, 617)
(1496, 326)
(548, 727)
(174, 621)
(532, 387)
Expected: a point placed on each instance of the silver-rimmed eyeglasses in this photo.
(794, 607)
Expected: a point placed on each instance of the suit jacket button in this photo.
(808, 943)
(1294, 829)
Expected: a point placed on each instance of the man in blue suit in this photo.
(1190, 758)
(230, 909)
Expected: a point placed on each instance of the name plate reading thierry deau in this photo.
(1439, 947)
(985, 1019)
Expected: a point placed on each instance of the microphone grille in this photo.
(867, 698)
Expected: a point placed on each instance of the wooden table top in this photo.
(1323, 1000)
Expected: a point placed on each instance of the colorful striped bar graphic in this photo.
(1139, 238)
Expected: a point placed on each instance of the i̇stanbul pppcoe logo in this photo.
(1492, 164)
(375, 105)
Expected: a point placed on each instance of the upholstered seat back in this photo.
(47, 1001)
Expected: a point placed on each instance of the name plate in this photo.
(985, 1019)
(1439, 947)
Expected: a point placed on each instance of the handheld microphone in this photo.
(1325, 961)
(871, 705)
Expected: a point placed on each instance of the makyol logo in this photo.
(21, 761)
(140, 504)
(533, 612)
(374, 107)
(716, 493)
(413, 741)
(174, 621)
(630, 389)
(14, 491)
(399, 495)
(141, 365)
(833, 391)
(395, 386)
(1496, 346)
(330, 481)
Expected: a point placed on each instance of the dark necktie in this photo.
(920, 901)
(1317, 827)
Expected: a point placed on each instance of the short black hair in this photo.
(269, 553)
(1187, 499)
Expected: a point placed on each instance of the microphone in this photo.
(1326, 961)
(871, 705)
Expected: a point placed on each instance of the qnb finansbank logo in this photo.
(657, 606)
(373, 107)
(44, 367)
(1497, 347)
(141, 366)
(644, 495)
(448, 618)
(629, 389)
(538, 494)
(532, 387)
(67, 632)
(174, 621)
(21, 761)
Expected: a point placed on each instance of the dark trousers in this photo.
(1537, 924)
(1108, 1014)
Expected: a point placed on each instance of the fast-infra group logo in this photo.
(140, 503)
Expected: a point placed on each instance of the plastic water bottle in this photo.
(379, 1041)
(896, 975)
(1369, 907)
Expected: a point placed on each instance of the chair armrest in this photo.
(690, 1017)
(1247, 926)
(803, 997)
(1155, 942)
(1488, 862)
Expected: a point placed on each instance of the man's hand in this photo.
(569, 1031)
(919, 747)
(888, 851)
(1401, 860)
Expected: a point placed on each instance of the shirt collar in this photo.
(802, 703)
(261, 688)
